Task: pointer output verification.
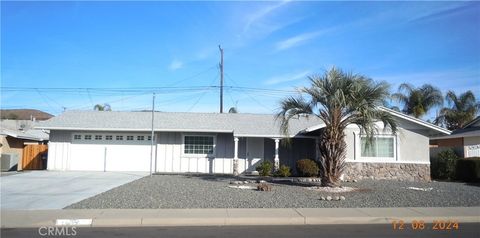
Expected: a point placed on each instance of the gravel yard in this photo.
(191, 191)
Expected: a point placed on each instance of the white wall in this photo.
(171, 159)
(411, 145)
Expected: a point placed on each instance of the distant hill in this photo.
(24, 114)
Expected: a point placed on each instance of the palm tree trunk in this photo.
(332, 156)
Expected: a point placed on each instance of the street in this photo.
(464, 230)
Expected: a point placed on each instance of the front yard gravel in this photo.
(195, 191)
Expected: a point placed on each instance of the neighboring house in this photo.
(466, 141)
(214, 142)
(14, 136)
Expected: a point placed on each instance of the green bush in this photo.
(443, 167)
(265, 168)
(468, 169)
(307, 168)
(283, 171)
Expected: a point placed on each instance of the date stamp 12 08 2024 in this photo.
(440, 225)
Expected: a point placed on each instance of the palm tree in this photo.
(233, 110)
(461, 110)
(417, 101)
(102, 107)
(338, 99)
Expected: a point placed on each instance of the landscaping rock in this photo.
(329, 198)
(342, 198)
(322, 198)
(337, 198)
(264, 187)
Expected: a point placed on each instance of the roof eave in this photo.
(417, 121)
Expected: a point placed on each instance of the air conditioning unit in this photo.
(9, 162)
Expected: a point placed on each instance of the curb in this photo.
(233, 217)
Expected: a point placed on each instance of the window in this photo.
(108, 137)
(129, 137)
(140, 137)
(98, 137)
(87, 137)
(119, 137)
(149, 137)
(379, 147)
(198, 145)
(77, 137)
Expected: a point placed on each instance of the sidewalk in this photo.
(233, 216)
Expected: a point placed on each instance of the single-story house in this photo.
(14, 136)
(214, 142)
(465, 141)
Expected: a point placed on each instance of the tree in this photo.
(418, 101)
(462, 109)
(233, 110)
(102, 107)
(338, 99)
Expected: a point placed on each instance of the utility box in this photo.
(9, 162)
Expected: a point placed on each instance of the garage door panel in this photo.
(86, 157)
(128, 158)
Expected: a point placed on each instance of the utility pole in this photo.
(221, 78)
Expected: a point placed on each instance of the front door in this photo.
(254, 153)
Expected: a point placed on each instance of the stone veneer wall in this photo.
(392, 171)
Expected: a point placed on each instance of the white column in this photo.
(235, 157)
(276, 160)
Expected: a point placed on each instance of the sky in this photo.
(58, 56)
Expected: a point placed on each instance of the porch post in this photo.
(317, 150)
(276, 160)
(235, 157)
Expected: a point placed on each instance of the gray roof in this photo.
(23, 129)
(241, 124)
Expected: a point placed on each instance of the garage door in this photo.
(110, 152)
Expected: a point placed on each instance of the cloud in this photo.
(262, 13)
(443, 12)
(298, 40)
(287, 78)
(176, 64)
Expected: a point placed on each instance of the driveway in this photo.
(36, 190)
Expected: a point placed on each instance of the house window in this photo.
(149, 137)
(87, 137)
(98, 137)
(379, 147)
(129, 137)
(108, 137)
(119, 137)
(198, 145)
(140, 137)
(77, 137)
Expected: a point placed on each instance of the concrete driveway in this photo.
(36, 190)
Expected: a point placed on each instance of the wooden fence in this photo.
(32, 157)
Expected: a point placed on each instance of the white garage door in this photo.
(109, 152)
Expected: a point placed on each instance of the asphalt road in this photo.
(347, 231)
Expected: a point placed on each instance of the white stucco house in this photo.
(212, 142)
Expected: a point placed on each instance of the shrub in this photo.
(283, 171)
(443, 167)
(265, 168)
(307, 168)
(468, 169)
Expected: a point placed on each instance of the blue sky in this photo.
(272, 45)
